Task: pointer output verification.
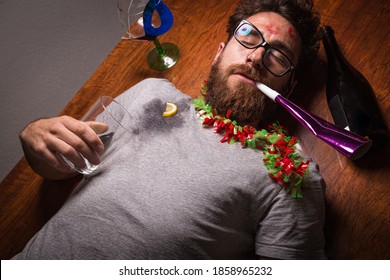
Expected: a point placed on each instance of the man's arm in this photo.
(43, 140)
(293, 228)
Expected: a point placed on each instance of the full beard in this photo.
(247, 104)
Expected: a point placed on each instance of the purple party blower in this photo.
(344, 141)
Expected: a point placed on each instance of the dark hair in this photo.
(299, 13)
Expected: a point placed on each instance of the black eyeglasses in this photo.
(274, 60)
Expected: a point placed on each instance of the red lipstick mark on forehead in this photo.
(291, 32)
(272, 29)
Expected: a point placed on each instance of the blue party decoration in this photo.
(165, 14)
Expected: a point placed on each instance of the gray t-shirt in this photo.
(174, 191)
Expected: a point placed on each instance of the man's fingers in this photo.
(98, 127)
(84, 140)
(55, 160)
(72, 138)
(48, 139)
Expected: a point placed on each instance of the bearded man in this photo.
(176, 190)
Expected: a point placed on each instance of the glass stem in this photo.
(159, 48)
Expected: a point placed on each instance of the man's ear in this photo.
(221, 47)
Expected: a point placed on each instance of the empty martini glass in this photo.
(146, 20)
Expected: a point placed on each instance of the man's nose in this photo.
(255, 57)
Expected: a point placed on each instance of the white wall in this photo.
(48, 49)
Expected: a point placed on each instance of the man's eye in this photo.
(247, 36)
(277, 57)
(249, 41)
(244, 30)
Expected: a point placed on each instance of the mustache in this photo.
(257, 75)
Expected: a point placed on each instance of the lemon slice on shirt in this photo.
(170, 110)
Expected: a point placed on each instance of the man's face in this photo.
(236, 69)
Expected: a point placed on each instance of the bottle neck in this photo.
(333, 53)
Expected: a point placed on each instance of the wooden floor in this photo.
(358, 193)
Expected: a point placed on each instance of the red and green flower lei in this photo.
(284, 163)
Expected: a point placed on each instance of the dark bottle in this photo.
(350, 97)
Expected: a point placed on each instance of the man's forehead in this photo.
(269, 18)
(275, 27)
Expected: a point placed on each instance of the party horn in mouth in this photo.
(346, 142)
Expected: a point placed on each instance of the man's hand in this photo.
(43, 140)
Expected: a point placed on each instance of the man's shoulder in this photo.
(155, 84)
(153, 87)
(154, 81)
